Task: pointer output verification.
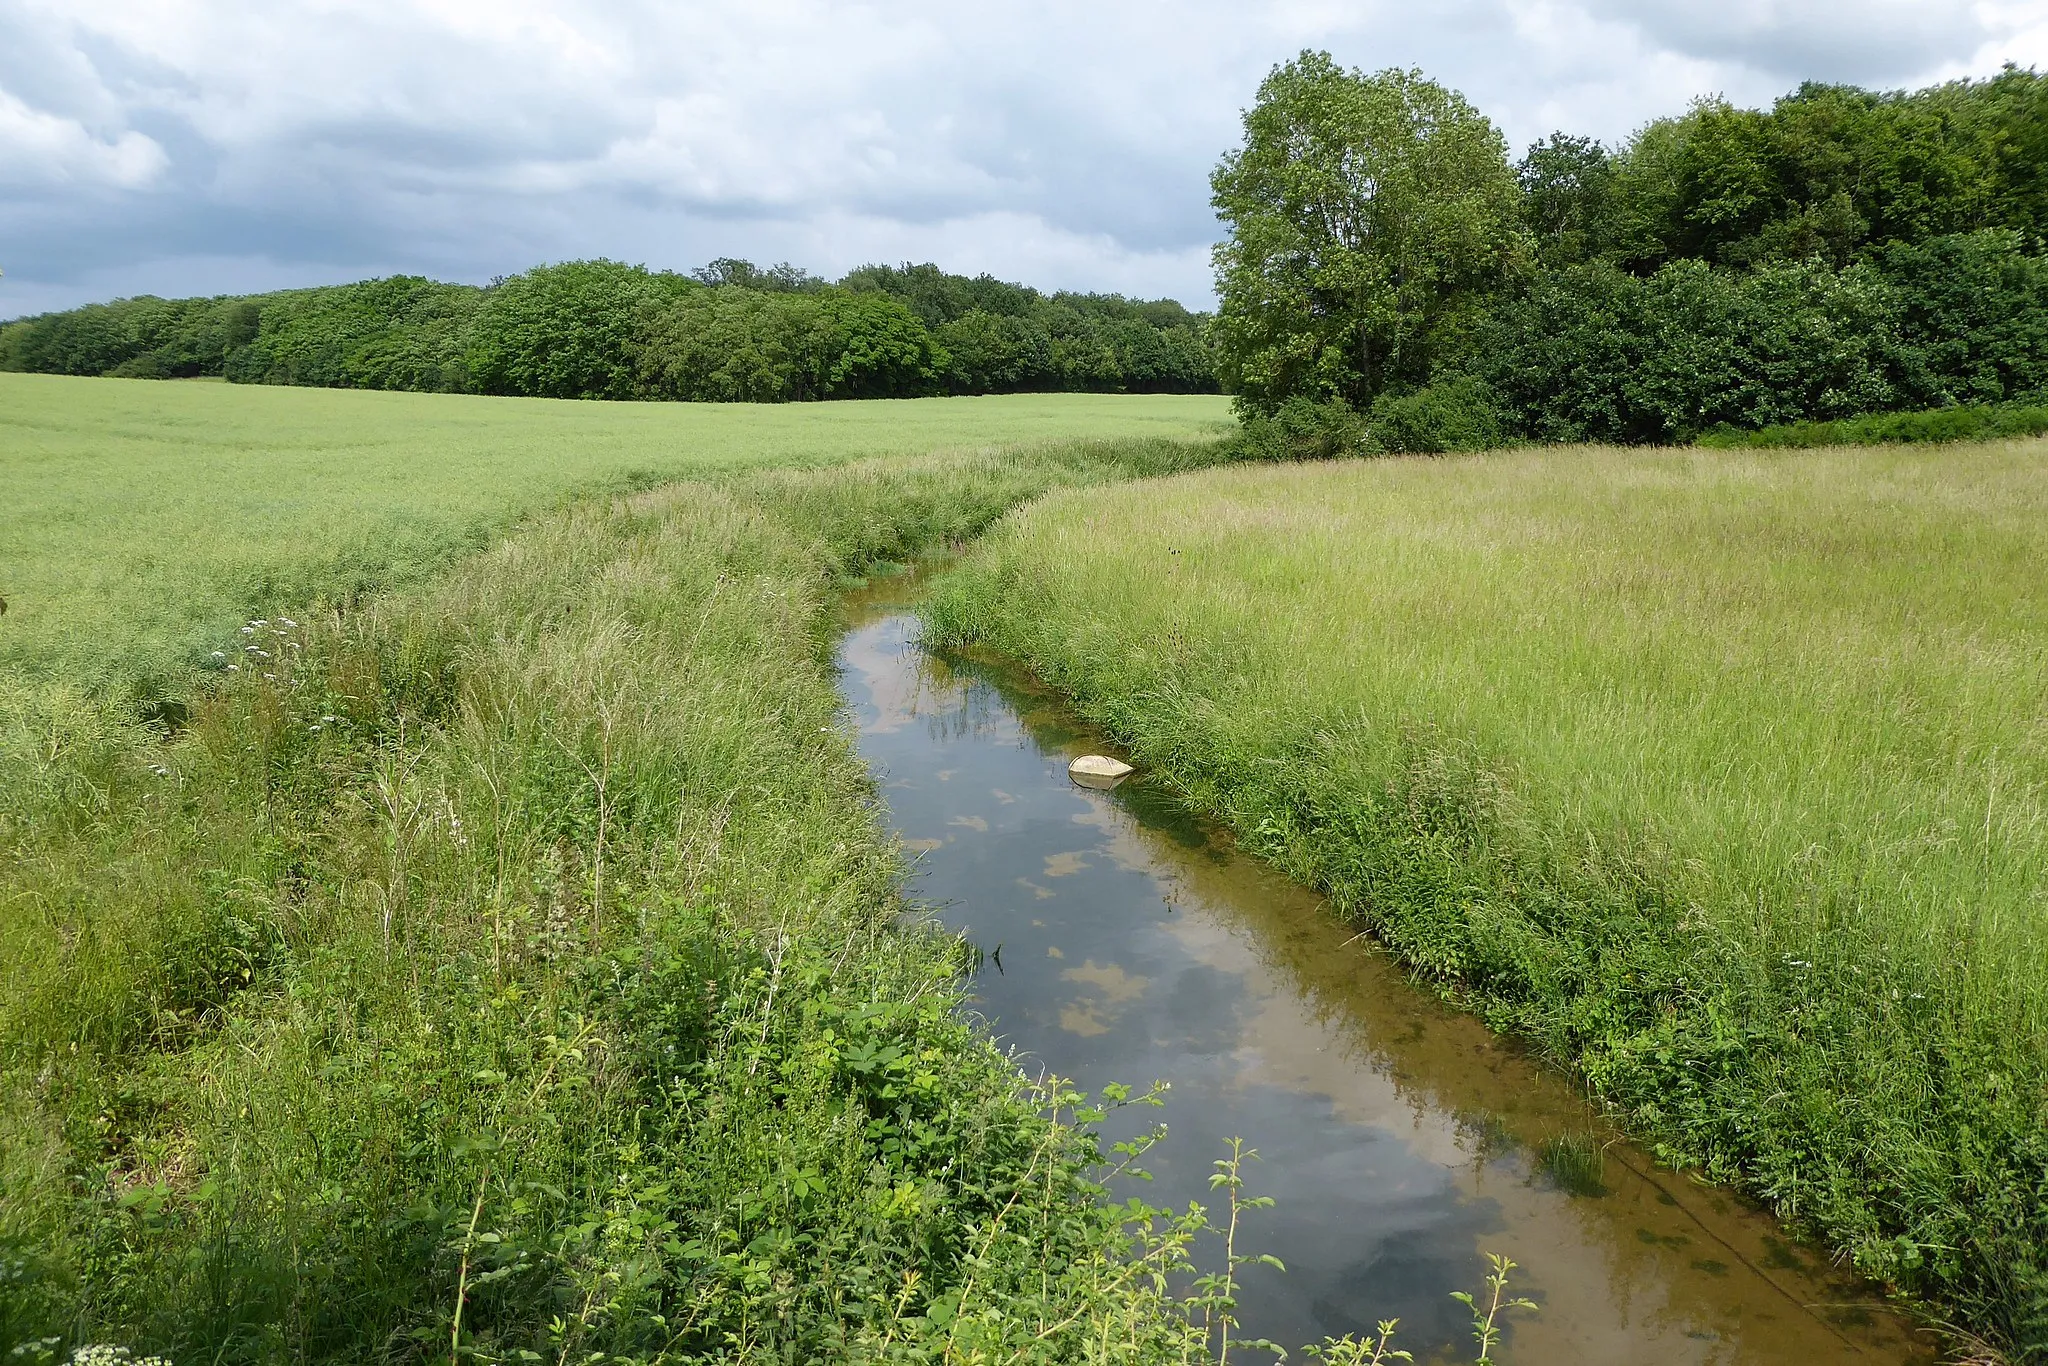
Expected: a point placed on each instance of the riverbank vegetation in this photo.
(729, 332)
(510, 968)
(1719, 776)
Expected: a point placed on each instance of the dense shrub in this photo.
(1301, 429)
(143, 338)
(1454, 415)
(1972, 315)
(1591, 353)
(731, 344)
(1983, 422)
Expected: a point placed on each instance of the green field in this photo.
(144, 521)
(1723, 776)
(511, 967)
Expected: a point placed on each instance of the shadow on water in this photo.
(1401, 1140)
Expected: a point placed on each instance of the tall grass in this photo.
(1723, 776)
(142, 521)
(512, 969)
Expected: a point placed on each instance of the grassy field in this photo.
(144, 521)
(1723, 776)
(512, 968)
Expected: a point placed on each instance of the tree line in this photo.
(1391, 278)
(730, 331)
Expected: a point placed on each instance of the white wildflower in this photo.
(101, 1354)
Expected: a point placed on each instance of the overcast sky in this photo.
(206, 146)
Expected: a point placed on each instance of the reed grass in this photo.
(1723, 776)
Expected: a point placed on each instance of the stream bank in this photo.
(1123, 941)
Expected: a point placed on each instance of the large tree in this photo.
(1363, 211)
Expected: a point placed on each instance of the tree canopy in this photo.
(1362, 212)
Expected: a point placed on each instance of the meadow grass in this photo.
(142, 521)
(513, 968)
(1723, 776)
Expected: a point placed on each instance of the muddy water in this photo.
(1400, 1140)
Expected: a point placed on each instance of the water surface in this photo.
(1402, 1141)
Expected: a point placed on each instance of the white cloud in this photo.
(1063, 142)
(41, 148)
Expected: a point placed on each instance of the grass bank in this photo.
(144, 520)
(510, 969)
(1722, 777)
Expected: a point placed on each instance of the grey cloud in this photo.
(1065, 142)
(1873, 42)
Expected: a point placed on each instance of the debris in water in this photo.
(1098, 771)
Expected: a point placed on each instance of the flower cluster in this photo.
(102, 1355)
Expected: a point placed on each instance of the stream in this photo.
(1125, 942)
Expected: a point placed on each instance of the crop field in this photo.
(144, 521)
(1722, 776)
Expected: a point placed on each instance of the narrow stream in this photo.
(1400, 1139)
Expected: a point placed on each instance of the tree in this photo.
(565, 331)
(1363, 212)
(1567, 184)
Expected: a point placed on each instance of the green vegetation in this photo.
(510, 966)
(144, 521)
(1719, 776)
(1843, 253)
(599, 329)
(1984, 422)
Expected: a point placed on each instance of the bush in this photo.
(1303, 430)
(1979, 423)
(1455, 415)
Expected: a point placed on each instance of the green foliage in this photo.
(1567, 193)
(399, 333)
(1715, 776)
(730, 344)
(1832, 171)
(1841, 253)
(1591, 353)
(1451, 415)
(878, 349)
(1301, 429)
(599, 329)
(1004, 338)
(512, 968)
(1486, 1330)
(143, 338)
(1362, 211)
(1983, 423)
(1972, 318)
(566, 331)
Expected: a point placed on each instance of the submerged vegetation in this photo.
(1720, 776)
